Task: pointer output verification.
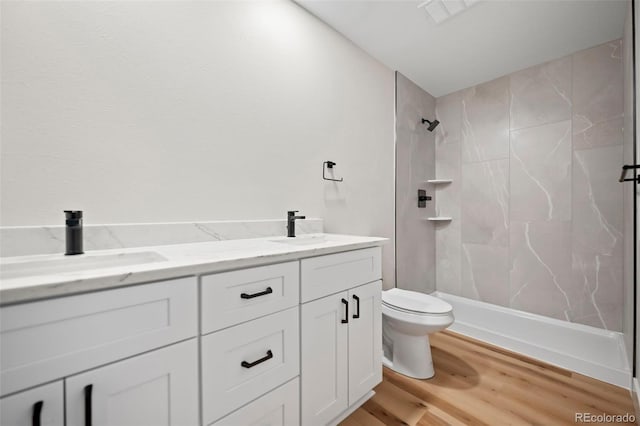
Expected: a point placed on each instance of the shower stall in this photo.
(508, 199)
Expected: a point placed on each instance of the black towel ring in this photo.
(329, 165)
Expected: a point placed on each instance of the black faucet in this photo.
(74, 232)
(291, 222)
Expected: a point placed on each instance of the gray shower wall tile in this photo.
(449, 113)
(485, 273)
(413, 104)
(540, 166)
(604, 133)
(415, 163)
(597, 238)
(416, 265)
(448, 166)
(448, 257)
(485, 203)
(540, 209)
(541, 94)
(597, 197)
(600, 302)
(597, 85)
(448, 234)
(540, 274)
(485, 121)
(415, 256)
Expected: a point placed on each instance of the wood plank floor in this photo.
(480, 384)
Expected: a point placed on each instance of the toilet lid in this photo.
(415, 302)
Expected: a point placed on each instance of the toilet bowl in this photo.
(408, 317)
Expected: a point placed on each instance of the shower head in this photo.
(432, 124)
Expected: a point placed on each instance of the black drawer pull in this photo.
(37, 411)
(87, 405)
(356, 315)
(267, 357)
(346, 311)
(269, 290)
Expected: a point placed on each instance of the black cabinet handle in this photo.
(269, 290)
(357, 313)
(37, 411)
(267, 357)
(346, 311)
(87, 405)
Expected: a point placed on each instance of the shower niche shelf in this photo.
(439, 181)
(439, 218)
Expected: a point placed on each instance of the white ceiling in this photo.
(490, 39)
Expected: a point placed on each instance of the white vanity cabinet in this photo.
(251, 339)
(251, 315)
(291, 343)
(341, 344)
(135, 348)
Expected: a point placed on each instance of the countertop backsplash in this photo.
(30, 240)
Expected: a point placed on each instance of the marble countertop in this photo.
(55, 275)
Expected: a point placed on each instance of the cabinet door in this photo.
(324, 377)
(365, 340)
(43, 405)
(154, 389)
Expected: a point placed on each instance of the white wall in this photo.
(186, 111)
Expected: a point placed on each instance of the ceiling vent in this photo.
(441, 10)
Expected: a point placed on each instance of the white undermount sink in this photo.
(302, 240)
(82, 262)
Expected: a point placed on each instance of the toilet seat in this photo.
(415, 303)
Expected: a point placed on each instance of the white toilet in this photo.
(408, 317)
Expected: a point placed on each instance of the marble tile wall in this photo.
(29, 240)
(536, 206)
(415, 163)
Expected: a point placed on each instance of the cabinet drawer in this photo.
(44, 341)
(20, 409)
(280, 407)
(233, 297)
(243, 362)
(324, 275)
